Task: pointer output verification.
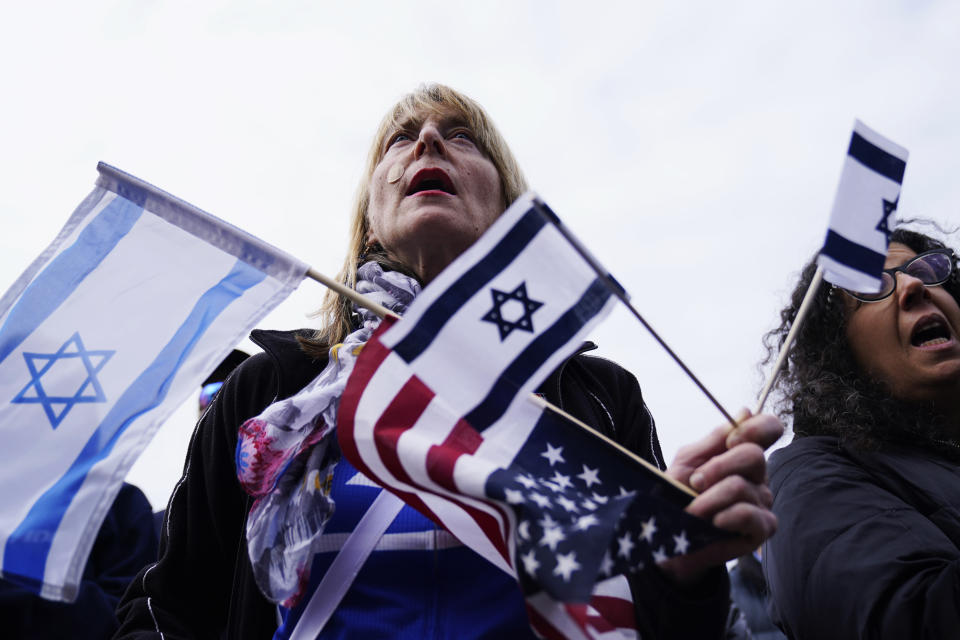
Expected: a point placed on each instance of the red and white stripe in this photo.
(395, 430)
(398, 432)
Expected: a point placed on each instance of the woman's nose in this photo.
(910, 290)
(429, 141)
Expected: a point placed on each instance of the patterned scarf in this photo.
(286, 455)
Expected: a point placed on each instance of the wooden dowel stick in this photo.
(730, 419)
(382, 311)
(791, 336)
(346, 291)
(621, 293)
(679, 485)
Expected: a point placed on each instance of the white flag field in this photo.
(856, 244)
(111, 328)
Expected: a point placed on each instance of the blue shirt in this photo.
(419, 581)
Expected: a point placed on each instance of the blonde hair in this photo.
(426, 100)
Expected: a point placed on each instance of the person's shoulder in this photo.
(806, 467)
(282, 364)
(131, 498)
(608, 383)
(813, 475)
(254, 377)
(821, 472)
(602, 368)
(278, 371)
(280, 340)
(803, 452)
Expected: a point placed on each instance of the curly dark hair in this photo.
(823, 390)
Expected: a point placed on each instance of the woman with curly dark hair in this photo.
(868, 493)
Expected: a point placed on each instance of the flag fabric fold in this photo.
(855, 248)
(135, 301)
(439, 411)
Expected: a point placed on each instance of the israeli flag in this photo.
(860, 224)
(117, 322)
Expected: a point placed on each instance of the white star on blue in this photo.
(88, 388)
(572, 527)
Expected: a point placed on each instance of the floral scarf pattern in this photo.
(286, 455)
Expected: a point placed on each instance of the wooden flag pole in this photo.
(621, 293)
(791, 336)
(537, 400)
(686, 369)
(382, 311)
(346, 291)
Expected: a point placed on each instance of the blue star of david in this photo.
(88, 390)
(888, 208)
(524, 322)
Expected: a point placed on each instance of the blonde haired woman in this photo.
(438, 175)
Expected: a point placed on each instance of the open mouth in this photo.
(431, 180)
(930, 332)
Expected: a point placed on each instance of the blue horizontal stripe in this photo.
(452, 300)
(63, 274)
(28, 546)
(876, 159)
(493, 406)
(853, 255)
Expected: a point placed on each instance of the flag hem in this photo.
(203, 225)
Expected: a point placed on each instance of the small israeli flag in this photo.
(860, 224)
(138, 298)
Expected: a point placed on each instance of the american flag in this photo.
(439, 410)
(574, 498)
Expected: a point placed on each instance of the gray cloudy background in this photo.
(695, 147)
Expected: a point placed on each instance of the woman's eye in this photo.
(462, 135)
(400, 136)
(922, 271)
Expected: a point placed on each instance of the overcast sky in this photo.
(694, 147)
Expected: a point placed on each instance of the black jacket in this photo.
(868, 543)
(126, 542)
(203, 586)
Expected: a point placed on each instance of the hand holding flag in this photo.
(729, 470)
(438, 411)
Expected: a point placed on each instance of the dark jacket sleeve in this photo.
(606, 396)
(852, 558)
(594, 386)
(125, 543)
(202, 564)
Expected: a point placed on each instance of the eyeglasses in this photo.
(930, 267)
